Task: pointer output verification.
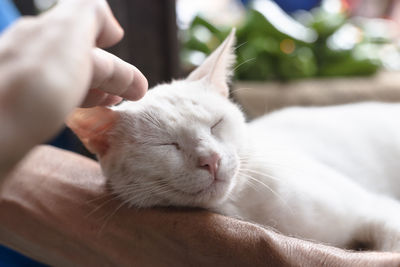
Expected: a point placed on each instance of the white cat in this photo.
(328, 174)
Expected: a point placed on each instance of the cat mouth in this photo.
(208, 189)
(212, 188)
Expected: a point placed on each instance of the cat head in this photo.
(179, 145)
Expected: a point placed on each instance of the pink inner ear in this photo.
(217, 68)
(92, 125)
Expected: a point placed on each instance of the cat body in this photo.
(332, 173)
(326, 174)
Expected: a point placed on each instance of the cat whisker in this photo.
(271, 148)
(273, 159)
(108, 218)
(152, 119)
(145, 195)
(252, 185)
(153, 187)
(259, 173)
(152, 191)
(137, 184)
(272, 154)
(240, 89)
(270, 189)
(97, 198)
(101, 205)
(288, 167)
(238, 46)
(244, 62)
(266, 162)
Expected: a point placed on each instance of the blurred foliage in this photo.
(265, 53)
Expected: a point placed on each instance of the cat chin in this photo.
(217, 192)
(210, 196)
(207, 197)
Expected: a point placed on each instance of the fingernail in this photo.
(138, 88)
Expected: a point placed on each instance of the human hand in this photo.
(54, 207)
(48, 65)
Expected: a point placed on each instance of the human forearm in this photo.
(43, 205)
(55, 208)
(49, 216)
(297, 252)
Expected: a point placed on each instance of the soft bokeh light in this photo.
(345, 38)
(332, 6)
(43, 5)
(224, 12)
(196, 58)
(283, 22)
(287, 46)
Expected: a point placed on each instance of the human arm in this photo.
(55, 208)
(47, 65)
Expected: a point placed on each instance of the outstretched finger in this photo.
(97, 97)
(117, 77)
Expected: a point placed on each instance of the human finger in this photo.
(104, 27)
(115, 76)
(110, 31)
(97, 97)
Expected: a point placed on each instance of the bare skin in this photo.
(62, 196)
(54, 205)
(48, 64)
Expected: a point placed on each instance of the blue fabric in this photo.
(289, 6)
(8, 257)
(245, 2)
(8, 14)
(292, 5)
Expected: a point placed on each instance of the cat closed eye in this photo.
(217, 123)
(176, 145)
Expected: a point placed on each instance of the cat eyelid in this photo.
(216, 124)
(176, 145)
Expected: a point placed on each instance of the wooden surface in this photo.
(259, 98)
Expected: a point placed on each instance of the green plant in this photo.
(266, 53)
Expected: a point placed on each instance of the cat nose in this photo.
(210, 163)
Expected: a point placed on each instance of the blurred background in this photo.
(286, 40)
(303, 52)
(306, 52)
(276, 40)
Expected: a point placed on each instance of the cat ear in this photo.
(217, 68)
(92, 126)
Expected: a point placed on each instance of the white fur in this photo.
(327, 174)
(333, 171)
(141, 151)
